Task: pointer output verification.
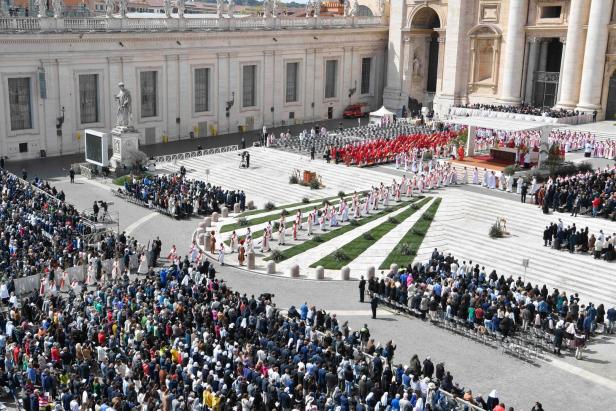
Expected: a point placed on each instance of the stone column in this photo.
(470, 141)
(456, 58)
(573, 55)
(543, 55)
(563, 40)
(223, 90)
(309, 84)
(531, 68)
(268, 75)
(514, 52)
(392, 96)
(407, 70)
(441, 60)
(594, 55)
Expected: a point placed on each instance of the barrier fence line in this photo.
(169, 158)
(32, 283)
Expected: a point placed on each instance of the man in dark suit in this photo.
(362, 289)
(374, 303)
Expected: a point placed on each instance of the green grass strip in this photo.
(309, 244)
(282, 207)
(414, 237)
(360, 244)
(273, 217)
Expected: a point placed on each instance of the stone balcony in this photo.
(117, 24)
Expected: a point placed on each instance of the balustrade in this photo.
(85, 24)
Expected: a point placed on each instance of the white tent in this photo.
(376, 117)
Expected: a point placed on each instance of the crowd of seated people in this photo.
(580, 240)
(183, 340)
(524, 109)
(442, 287)
(179, 196)
(592, 193)
(384, 150)
(38, 230)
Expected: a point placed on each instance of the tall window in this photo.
(292, 77)
(202, 90)
(88, 98)
(20, 104)
(148, 94)
(331, 76)
(249, 86)
(366, 64)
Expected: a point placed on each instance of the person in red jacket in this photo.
(595, 206)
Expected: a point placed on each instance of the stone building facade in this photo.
(182, 78)
(540, 52)
(184, 72)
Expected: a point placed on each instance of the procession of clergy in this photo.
(433, 175)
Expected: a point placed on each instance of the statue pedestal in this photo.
(125, 142)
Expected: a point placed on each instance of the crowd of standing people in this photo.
(443, 288)
(179, 196)
(180, 339)
(39, 231)
(573, 239)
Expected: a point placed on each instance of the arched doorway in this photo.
(610, 107)
(364, 11)
(423, 57)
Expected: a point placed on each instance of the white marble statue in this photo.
(231, 11)
(167, 6)
(220, 4)
(181, 5)
(267, 11)
(347, 8)
(317, 8)
(57, 8)
(125, 103)
(355, 8)
(41, 6)
(274, 8)
(109, 8)
(382, 7)
(123, 4)
(416, 66)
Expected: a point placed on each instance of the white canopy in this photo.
(382, 112)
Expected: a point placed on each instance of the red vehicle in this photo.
(356, 111)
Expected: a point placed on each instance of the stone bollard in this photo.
(251, 205)
(345, 273)
(393, 268)
(271, 267)
(214, 217)
(319, 273)
(206, 241)
(250, 260)
(203, 239)
(207, 222)
(200, 231)
(224, 212)
(236, 208)
(202, 226)
(294, 271)
(370, 272)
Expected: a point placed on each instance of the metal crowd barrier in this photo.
(170, 158)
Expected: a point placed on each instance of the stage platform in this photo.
(482, 161)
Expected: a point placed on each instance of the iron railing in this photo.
(170, 158)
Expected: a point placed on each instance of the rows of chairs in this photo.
(527, 345)
(346, 136)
